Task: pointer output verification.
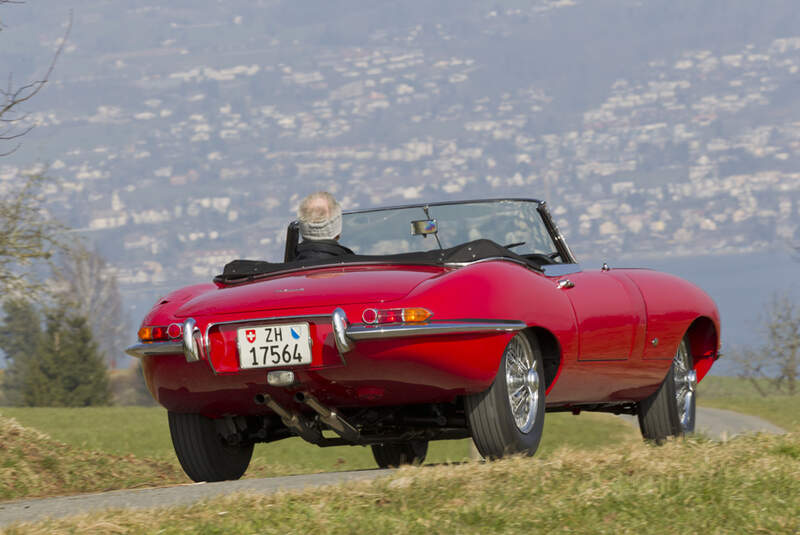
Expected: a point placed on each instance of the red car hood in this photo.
(313, 288)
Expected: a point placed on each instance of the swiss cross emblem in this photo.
(250, 334)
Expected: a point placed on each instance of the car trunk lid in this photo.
(312, 288)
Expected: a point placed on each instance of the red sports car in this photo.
(450, 320)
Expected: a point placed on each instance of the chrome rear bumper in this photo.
(369, 332)
(155, 348)
(345, 335)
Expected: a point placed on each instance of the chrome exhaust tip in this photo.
(342, 427)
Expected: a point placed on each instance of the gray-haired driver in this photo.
(320, 218)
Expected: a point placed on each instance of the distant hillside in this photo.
(184, 134)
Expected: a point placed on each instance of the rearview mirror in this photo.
(424, 227)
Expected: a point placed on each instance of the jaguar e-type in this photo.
(450, 320)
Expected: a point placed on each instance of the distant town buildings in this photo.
(203, 160)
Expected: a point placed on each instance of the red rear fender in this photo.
(673, 305)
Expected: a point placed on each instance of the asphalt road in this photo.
(716, 423)
(38, 509)
(720, 424)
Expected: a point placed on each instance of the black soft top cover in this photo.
(246, 270)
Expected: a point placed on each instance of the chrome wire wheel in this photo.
(685, 386)
(522, 380)
(508, 417)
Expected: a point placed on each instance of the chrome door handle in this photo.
(563, 284)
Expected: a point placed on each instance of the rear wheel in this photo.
(508, 417)
(670, 411)
(203, 453)
(398, 454)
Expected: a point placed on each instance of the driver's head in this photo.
(320, 217)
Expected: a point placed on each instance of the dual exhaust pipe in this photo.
(305, 428)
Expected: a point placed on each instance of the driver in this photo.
(320, 218)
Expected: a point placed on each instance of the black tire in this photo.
(670, 411)
(202, 452)
(490, 417)
(397, 454)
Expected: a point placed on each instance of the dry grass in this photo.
(33, 464)
(748, 485)
(143, 432)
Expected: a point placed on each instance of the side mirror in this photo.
(424, 227)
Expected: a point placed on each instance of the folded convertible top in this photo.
(245, 270)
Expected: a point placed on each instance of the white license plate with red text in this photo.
(274, 346)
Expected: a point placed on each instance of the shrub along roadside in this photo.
(748, 485)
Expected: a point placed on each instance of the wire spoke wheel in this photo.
(522, 380)
(670, 411)
(685, 386)
(508, 417)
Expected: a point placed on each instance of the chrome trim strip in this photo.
(340, 327)
(371, 332)
(155, 348)
(443, 203)
(277, 319)
(493, 259)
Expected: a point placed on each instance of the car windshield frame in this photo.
(518, 223)
(537, 213)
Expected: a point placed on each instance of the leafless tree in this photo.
(13, 97)
(782, 327)
(752, 364)
(82, 277)
(777, 362)
(27, 235)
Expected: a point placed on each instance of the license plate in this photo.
(274, 346)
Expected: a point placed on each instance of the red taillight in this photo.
(160, 333)
(374, 316)
(175, 330)
(154, 334)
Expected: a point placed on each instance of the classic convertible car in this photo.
(450, 320)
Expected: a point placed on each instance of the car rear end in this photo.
(350, 337)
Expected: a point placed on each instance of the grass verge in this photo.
(33, 464)
(748, 485)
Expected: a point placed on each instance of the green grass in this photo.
(143, 432)
(139, 431)
(748, 485)
(739, 395)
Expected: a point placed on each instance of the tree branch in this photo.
(12, 97)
